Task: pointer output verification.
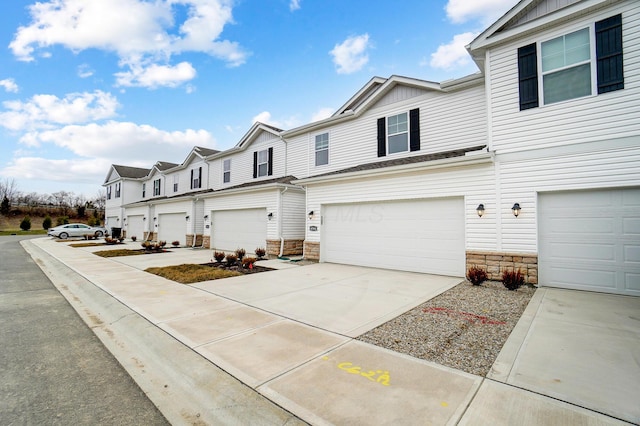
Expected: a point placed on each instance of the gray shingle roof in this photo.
(131, 172)
(405, 160)
(205, 151)
(163, 165)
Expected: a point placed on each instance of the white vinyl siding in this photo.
(293, 211)
(588, 119)
(590, 240)
(410, 235)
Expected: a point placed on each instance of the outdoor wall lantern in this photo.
(270, 216)
(311, 215)
(187, 218)
(516, 209)
(206, 216)
(480, 210)
(144, 218)
(155, 218)
(117, 219)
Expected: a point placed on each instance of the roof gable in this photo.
(125, 172)
(259, 131)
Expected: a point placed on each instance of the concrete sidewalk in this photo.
(288, 335)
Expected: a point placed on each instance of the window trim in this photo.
(109, 192)
(226, 172)
(144, 189)
(156, 187)
(176, 182)
(316, 150)
(196, 182)
(592, 61)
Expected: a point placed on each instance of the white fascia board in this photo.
(248, 189)
(485, 157)
(359, 93)
(319, 124)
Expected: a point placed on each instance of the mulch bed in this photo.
(222, 265)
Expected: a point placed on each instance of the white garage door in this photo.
(232, 229)
(135, 226)
(590, 240)
(172, 227)
(414, 235)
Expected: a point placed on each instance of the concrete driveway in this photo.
(288, 334)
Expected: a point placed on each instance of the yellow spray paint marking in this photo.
(325, 358)
(444, 404)
(383, 377)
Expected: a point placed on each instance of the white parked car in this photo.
(77, 230)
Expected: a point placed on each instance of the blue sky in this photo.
(89, 83)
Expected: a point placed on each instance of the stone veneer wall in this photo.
(199, 240)
(206, 241)
(497, 262)
(311, 250)
(291, 247)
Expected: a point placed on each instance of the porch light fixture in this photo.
(117, 219)
(516, 209)
(155, 218)
(206, 216)
(187, 218)
(270, 216)
(311, 215)
(480, 210)
(144, 218)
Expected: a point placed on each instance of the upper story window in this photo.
(196, 178)
(156, 187)
(109, 192)
(144, 190)
(175, 183)
(226, 171)
(568, 67)
(322, 149)
(263, 163)
(118, 186)
(399, 133)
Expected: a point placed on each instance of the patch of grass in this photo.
(86, 244)
(118, 252)
(191, 273)
(21, 232)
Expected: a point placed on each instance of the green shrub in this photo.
(476, 275)
(219, 256)
(512, 279)
(46, 223)
(93, 221)
(25, 225)
(5, 207)
(62, 220)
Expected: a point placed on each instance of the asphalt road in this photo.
(53, 369)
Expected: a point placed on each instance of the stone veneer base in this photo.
(291, 247)
(494, 263)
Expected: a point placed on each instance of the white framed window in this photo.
(398, 133)
(118, 186)
(263, 163)
(109, 192)
(226, 171)
(322, 149)
(196, 178)
(144, 190)
(175, 183)
(156, 187)
(566, 67)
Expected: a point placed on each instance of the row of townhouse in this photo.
(532, 163)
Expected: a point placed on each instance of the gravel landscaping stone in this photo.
(464, 327)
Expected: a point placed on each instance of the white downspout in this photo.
(193, 220)
(280, 221)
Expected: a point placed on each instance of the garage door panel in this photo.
(172, 227)
(413, 235)
(590, 240)
(135, 226)
(233, 229)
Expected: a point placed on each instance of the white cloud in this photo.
(321, 114)
(85, 71)
(265, 117)
(121, 142)
(294, 5)
(351, 55)
(9, 85)
(47, 111)
(484, 11)
(155, 75)
(141, 33)
(78, 171)
(453, 54)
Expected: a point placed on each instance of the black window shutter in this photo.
(191, 185)
(609, 54)
(528, 76)
(199, 177)
(270, 170)
(414, 130)
(382, 137)
(255, 164)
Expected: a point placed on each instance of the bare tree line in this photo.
(9, 191)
